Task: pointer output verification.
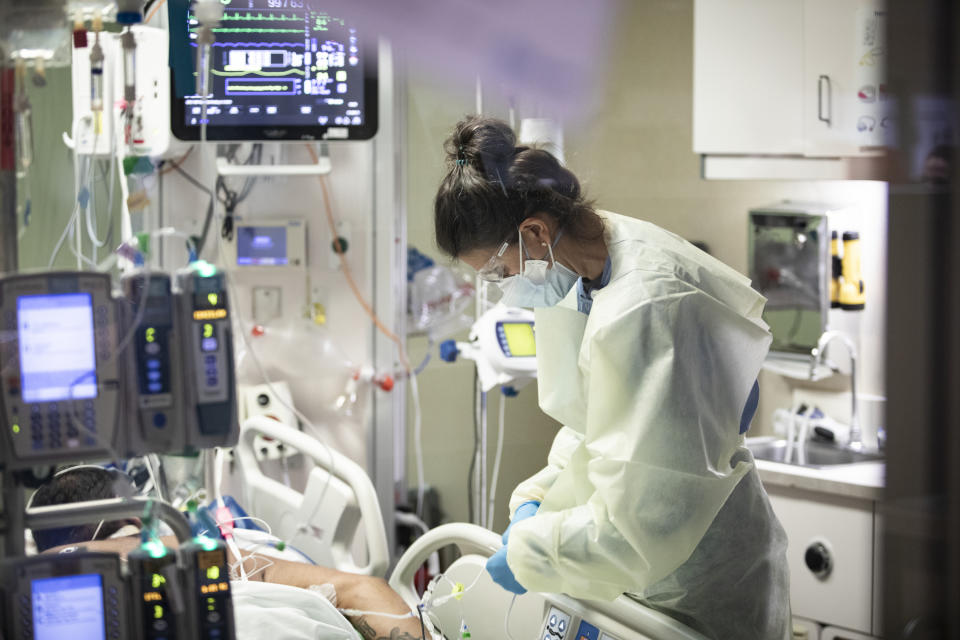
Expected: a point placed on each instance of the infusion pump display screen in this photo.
(57, 352)
(285, 69)
(68, 607)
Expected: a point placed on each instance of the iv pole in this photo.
(8, 173)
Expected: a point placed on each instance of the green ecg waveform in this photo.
(279, 17)
(252, 30)
(217, 72)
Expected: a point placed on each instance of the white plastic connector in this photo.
(209, 12)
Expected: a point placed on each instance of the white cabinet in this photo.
(747, 68)
(789, 79)
(831, 555)
(844, 91)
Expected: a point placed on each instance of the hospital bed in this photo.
(484, 607)
(335, 521)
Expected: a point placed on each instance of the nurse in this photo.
(648, 352)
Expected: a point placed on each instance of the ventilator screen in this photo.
(520, 339)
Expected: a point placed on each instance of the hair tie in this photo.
(461, 157)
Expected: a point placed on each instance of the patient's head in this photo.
(80, 484)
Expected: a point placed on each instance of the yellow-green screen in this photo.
(520, 339)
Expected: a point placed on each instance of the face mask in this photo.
(539, 283)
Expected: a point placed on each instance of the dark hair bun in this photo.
(492, 185)
(485, 144)
(538, 170)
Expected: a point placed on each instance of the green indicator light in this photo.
(213, 298)
(204, 268)
(213, 573)
(207, 544)
(155, 548)
(158, 581)
(16, 428)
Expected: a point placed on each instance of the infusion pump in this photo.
(86, 375)
(163, 594)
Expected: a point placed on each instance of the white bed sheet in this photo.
(275, 611)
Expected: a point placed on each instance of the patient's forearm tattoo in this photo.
(369, 633)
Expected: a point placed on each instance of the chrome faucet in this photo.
(816, 357)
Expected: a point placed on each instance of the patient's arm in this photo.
(362, 593)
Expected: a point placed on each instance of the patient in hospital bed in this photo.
(280, 597)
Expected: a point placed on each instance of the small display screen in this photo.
(57, 350)
(209, 298)
(68, 607)
(262, 246)
(520, 339)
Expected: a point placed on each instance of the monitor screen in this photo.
(520, 339)
(281, 70)
(68, 607)
(57, 360)
(262, 246)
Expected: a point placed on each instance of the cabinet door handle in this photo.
(820, 82)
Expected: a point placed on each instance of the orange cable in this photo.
(156, 8)
(349, 275)
(176, 164)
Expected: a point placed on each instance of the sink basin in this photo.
(817, 454)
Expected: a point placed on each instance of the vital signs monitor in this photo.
(280, 70)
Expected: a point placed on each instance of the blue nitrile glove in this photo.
(524, 511)
(500, 572)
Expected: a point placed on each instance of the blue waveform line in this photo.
(254, 44)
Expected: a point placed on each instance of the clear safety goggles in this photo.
(495, 270)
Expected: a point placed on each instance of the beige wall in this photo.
(634, 156)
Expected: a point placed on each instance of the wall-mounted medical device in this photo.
(279, 71)
(155, 393)
(503, 345)
(150, 132)
(60, 379)
(207, 354)
(274, 243)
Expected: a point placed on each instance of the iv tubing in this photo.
(496, 461)
(401, 350)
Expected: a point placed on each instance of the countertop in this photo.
(863, 480)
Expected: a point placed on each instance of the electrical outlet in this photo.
(273, 401)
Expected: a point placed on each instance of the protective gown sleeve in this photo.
(666, 384)
(535, 488)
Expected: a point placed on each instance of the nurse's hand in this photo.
(500, 572)
(524, 511)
